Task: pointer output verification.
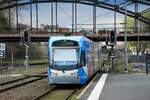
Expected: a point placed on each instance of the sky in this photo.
(84, 15)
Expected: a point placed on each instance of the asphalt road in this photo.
(126, 87)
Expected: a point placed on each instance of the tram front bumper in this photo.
(64, 80)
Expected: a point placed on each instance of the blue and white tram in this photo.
(72, 59)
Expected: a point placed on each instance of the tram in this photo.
(72, 59)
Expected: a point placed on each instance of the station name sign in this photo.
(2, 50)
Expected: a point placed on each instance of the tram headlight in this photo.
(54, 73)
(73, 73)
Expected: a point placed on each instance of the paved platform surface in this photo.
(117, 87)
(126, 87)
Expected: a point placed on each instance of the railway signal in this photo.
(26, 39)
(112, 36)
(27, 42)
(26, 36)
(112, 42)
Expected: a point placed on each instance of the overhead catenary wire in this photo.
(65, 12)
(71, 18)
(89, 19)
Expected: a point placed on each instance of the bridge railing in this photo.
(79, 31)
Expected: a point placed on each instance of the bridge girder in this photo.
(5, 5)
(96, 38)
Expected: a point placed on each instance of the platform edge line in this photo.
(84, 90)
(98, 88)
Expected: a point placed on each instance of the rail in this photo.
(17, 82)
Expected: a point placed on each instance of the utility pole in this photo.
(113, 39)
(17, 16)
(31, 14)
(1, 65)
(37, 16)
(72, 17)
(56, 16)
(75, 16)
(112, 44)
(115, 16)
(136, 28)
(126, 43)
(52, 24)
(27, 58)
(9, 16)
(27, 42)
(12, 61)
(94, 16)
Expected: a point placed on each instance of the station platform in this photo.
(117, 87)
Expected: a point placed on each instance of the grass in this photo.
(21, 61)
(31, 70)
(121, 65)
(22, 70)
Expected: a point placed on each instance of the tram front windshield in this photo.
(65, 55)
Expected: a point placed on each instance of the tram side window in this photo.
(82, 58)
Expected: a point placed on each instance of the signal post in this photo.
(26, 41)
(112, 43)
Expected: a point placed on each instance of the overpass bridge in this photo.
(44, 37)
(118, 6)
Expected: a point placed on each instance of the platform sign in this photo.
(2, 50)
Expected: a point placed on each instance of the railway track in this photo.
(15, 80)
(44, 94)
(71, 91)
(22, 78)
(19, 82)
